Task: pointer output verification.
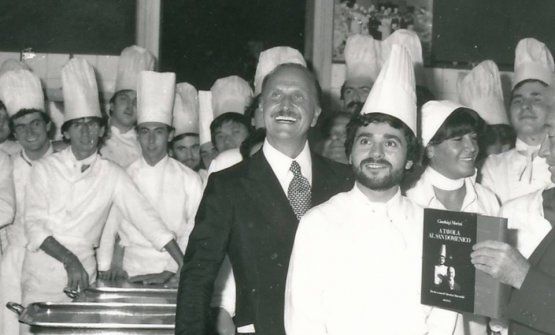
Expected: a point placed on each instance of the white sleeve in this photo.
(7, 194)
(488, 175)
(440, 321)
(105, 250)
(136, 209)
(304, 291)
(224, 294)
(35, 214)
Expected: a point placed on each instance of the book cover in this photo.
(449, 280)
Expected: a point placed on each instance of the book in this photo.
(449, 280)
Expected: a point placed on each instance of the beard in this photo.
(378, 183)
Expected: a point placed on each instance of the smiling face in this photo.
(230, 135)
(31, 131)
(289, 104)
(455, 157)
(83, 135)
(528, 109)
(124, 109)
(379, 156)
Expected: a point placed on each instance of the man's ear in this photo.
(409, 165)
(429, 151)
(317, 112)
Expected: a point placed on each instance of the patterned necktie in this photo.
(298, 192)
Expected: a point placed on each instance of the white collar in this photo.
(161, 163)
(29, 161)
(442, 182)
(525, 149)
(131, 133)
(281, 163)
(73, 161)
(391, 207)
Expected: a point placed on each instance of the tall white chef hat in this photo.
(21, 89)
(269, 59)
(533, 60)
(206, 116)
(362, 58)
(155, 95)
(230, 94)
(55, 110)
(80, 90)
(434, 113)
(411, 41)
(132, 61)
(185, 109)
(481, 90)
(393, 92)
(11, 65)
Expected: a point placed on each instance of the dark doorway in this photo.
(203, 40)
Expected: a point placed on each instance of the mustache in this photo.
(375, 161)
(354, 105)
(285, 112)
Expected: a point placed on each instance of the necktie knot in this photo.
(295, 168)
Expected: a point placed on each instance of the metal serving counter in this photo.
(101, 309)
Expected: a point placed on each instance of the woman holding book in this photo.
(450, 134)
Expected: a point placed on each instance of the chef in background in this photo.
(481, 90)
(362, 65)
(23, 95)
(206, 115)
(121, 145)
(520, 171)
(69, 195)
(173, 189)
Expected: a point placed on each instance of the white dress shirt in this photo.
(121, 148)
(281, 164)
(477, 199)
(174, 190)
(527, 223)
(516, 172)
(72, 206)
(356, 268)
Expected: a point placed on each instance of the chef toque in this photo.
(434, 113)
(132, 61)
(481, 90)
(362, 58)
(206, 116)
(269, 59)
(55, 110)
(393, 92)
(21, 89)
(11, 65)
(230, 94)
(411, 41)
(80, 90)
(155, 95)
(533, 60)
(185, 109)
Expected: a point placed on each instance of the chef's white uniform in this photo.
(516, 172)
(356, 268)
(121, 148)
(477, 199)
(70, 202)
(174, 191)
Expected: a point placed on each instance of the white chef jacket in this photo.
(174, 190)
(70, 205)
(356, 269)
(12, 262)
(477, 199)
(7, 197)
(224, 160)
(121, 148)
(527, 224)
(512, 173)
(10, 147)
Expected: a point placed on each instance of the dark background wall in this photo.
(203, 40)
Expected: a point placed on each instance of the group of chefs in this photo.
(266, 227)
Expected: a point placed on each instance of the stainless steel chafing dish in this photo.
(137, 295)
(97, 318)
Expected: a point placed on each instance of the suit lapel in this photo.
(543, 246)
(266, 193)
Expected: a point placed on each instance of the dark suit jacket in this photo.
(531, 309)
(245, 213)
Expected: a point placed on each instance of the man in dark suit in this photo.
(531, 308)
(251, 211)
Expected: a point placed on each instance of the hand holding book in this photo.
(501, 261)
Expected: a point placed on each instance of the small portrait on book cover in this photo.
(441, 268)
(449, 283)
